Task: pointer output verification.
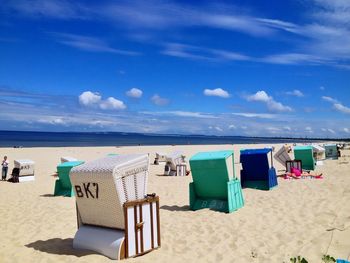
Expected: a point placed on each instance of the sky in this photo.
(250, 68)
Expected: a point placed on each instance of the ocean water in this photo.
(48, 139)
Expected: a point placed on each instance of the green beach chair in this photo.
(214, 184)
(305, 154)
(63, 185)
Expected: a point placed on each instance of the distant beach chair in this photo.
(305, 154)
(160, 157)
(65, 159)
(214, 183)
(257, 169)
(175, 164)
(63, 186)
(115, 216)
(26, 170)
(331, 151)
(282, 155)
(319, 154)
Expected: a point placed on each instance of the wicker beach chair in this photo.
(115, 216)
(305, 154)
(175, 164)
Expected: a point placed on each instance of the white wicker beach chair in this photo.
(115, 218)
(26, 169)
(175, 164)
(282, 156)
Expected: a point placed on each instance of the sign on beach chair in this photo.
(114, 217)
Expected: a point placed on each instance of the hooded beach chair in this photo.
(319, 154)
(214, 184)
(175, 164)
(331, 151)
(26, 170)
(283, 155)
(115, 216)
(63, 185)
(257, 169)
(305, 154)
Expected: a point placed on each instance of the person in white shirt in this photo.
(5, 167)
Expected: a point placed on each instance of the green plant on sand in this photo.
(298, 259)
(328, 259)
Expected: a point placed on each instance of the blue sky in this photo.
(255, 68)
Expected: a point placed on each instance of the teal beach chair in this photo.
(305, 154)
(214, 184)
(63, 185)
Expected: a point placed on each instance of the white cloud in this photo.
(159, 101)
(287, 128)
(329, 99)
(337, 105)
(296, 93)
(309, 129)
(340, 107)
(112, 104)
(181, 114)
(322, 88)
(331, 131)
(217, 128)
(134, 93)
(323, 129)
(271, 104)
(255, 115)
(347, 130)
(216, 92)
(232, 127)
(91, 44)
(94, 99)
(88, 98)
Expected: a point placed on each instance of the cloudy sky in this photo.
(256, 68)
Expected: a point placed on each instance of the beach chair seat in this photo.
(115, 215)
(214, 184)
(257, 169)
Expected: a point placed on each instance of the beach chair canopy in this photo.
(25, 166)
(104, 185)
(305, 154)
(256, 164)
(210, 172)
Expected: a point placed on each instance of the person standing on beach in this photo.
(5, 166)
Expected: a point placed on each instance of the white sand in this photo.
(306, 217)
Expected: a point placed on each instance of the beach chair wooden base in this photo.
(234, 200)
(141, 234)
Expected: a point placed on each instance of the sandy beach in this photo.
(305, 217)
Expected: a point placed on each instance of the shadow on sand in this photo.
(175, 208)
(58, 246)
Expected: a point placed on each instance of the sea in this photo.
(63, 139)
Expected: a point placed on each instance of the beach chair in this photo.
(63, 186)
(214, 184)
(160, 157)
(257, 169)
(175, 164)
(331, 151)
(115, 216)
(26, 170)
(282, 155)
(305, 154)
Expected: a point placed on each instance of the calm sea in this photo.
(48, 139)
